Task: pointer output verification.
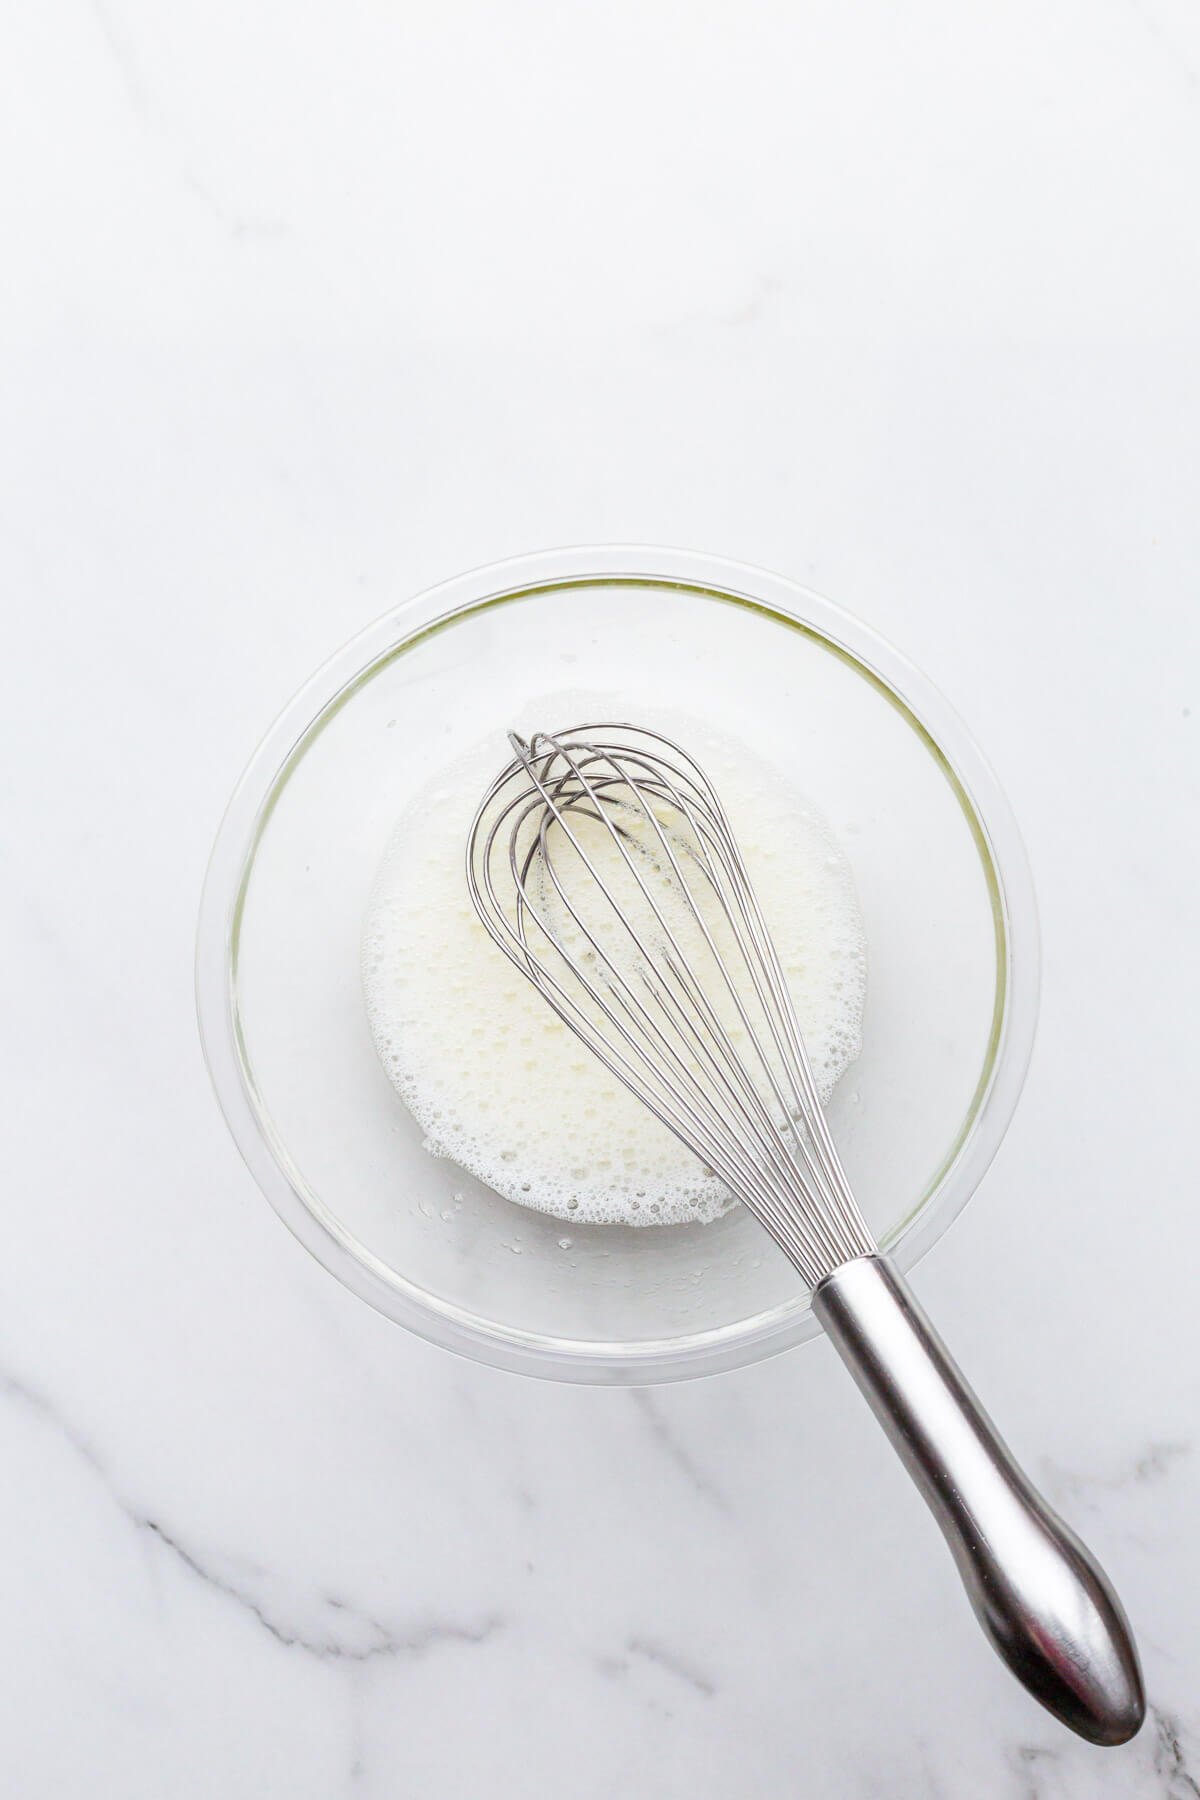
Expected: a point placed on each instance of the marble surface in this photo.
(307, 308)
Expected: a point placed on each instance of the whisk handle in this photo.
(1039, 1595)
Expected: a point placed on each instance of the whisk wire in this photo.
(747, 1107)
(735, 1159)
(825, 1185)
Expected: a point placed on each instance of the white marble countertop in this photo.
(306, 308)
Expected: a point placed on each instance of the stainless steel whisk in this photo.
(602, 863)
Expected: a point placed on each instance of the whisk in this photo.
(603, 865)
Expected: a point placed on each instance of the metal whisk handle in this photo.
(1044, 1602)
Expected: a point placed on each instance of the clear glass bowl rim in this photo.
(979, 792)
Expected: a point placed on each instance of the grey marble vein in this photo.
(1158, 1459)
(1027, 1760)
(150, 114)
(380, 1640)
(699, 1482)
(1170, 1759)
(353, 1636)
(1154, 1463)
(1154, 28)
(682, 1668)
(674, 1664)
(13, 1388)
(766, 290)
(121, 52)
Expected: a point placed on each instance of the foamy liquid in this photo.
(498, 1082)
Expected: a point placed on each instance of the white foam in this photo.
(500, 1085)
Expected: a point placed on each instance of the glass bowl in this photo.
(943, 882)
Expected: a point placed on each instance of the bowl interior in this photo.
(427, 1242)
